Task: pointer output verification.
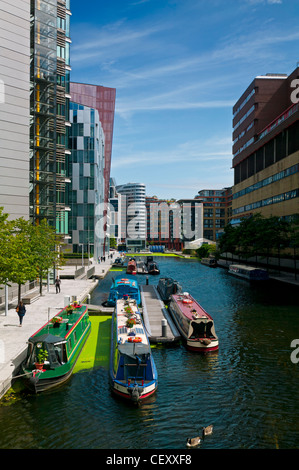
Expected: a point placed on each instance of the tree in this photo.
(20, 266)
(229, 240)
(5, 237)
(205, 250)
(113, 243)
(26, 251)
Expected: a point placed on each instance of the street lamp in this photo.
(82, 244)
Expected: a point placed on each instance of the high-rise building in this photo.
(135, 226)
(115, 201)
(216, 211)
(14, 107)
(86, 171)
(49, 103)
(103, 100)
(266, 148)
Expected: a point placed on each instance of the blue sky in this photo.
(178, 67)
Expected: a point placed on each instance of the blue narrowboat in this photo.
(133, 373)
(122, 287)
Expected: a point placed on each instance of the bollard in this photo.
(146, 282)
(88, 299)
(164, 327)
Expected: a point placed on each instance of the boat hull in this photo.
(123, 391)
(197, 346)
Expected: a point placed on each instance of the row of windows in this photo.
(266, 202)
(249, 142)
(271, 179)
(244, 102)
(209, 223)
(89, 143)
(218, 212)
(244, 132)
(244, 117)
(283, 144)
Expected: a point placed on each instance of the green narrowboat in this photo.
(54, 349)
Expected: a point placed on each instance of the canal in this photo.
(248, 390)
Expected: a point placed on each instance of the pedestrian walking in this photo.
(57, 284)
(21, 310)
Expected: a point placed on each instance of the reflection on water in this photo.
(248, 390)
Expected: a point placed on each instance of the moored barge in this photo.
(249, 273)
(131, 267)
(194, 324)
(59, 342)
(133, 373)
(123, 286)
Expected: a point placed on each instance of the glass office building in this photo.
(85, 194)
(49, 111)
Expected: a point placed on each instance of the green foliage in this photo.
(258, 235)
(113, 243)
(205, 250)
(42, 356)
(26, 251)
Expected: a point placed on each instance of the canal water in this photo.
(248, 390)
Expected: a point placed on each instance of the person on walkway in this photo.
(57, 284)
(21, 310)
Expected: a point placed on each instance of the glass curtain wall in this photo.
(86, 170)
(49, 112)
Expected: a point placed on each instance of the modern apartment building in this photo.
(14, 107)
(266, 149)
(85, 194)
(103, 100)
(49, 109)
(216, 211)
(135, 226)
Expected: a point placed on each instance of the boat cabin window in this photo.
(57, 354)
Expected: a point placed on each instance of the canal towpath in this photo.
(13, 338)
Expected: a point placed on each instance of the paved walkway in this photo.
(13, 338)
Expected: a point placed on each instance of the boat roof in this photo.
(124, 334)
(47, 338)
(119, 280)
(190, 308)
(63, 331)
(244, 266)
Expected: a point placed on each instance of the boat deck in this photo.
(154, 312)
(189, 307)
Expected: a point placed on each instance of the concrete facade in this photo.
(14, 107)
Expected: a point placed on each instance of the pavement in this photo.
(13, 338)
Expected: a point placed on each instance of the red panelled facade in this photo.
(103, 100)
